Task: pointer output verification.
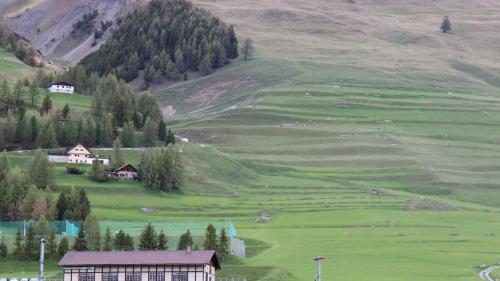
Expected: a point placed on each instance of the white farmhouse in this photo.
(61, 87)
(78, 154)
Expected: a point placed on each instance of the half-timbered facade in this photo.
(140, 266)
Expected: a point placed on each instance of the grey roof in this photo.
(158, 257)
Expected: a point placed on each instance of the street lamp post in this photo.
(319, 259)
(42, 257)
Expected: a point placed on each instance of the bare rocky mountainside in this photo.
(48, 24)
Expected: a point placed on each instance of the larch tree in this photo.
(210, 242)
(150, 133)
(63, 246)
(162, 241)
(446, 25)
(80, 241)
(247, 49)
(223, 245)
(148, 239)
(117, 154)
(40, 170)
(185, 241)
(91, 227)
(107, 241)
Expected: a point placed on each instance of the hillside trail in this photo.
(486, 274)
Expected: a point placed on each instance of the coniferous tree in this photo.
(65, 112)
(93, 232)
(107, 135)
(170, 138)
(34, 130)
(108, 240)
(247, 49)
(46, 105)
(51, 243)
(162, 241)
(63, 246)
(83, 204)
(446, 25)
(89, 133)
(47, 137)
(210, 242)
(4, 165)
(148, 239)
(127, 135)
(223, 245)
(162, 131)
(30, 243)
(34, 94)
(40, 170)
(185, 241)
(3, 249)
(80, 241)
(19, 245)
(117, 156)
(150, 133)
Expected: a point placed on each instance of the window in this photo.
(180, 276)
(133, 276)
(86, 277)
(110, 276)
(157, 276)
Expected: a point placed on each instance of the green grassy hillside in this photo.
(366, 134)
(11, 68)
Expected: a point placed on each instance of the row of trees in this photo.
(165, 39)
(162, 169)
(24, 194)
(89, 238)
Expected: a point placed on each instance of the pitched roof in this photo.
(124, 166)
(71, 147)
(63, 83)
(158, 257)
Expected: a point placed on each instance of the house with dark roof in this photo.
(158, 265)
(126, 171)
(61, 87)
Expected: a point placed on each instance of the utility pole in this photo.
(42, 257)
(318, 259)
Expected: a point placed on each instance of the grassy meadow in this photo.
(342, 98)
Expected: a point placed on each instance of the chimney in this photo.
(188, 250)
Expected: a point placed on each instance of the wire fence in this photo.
(66, 227)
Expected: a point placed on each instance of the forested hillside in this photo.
(166, 39)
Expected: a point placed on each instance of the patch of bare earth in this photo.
(213, 92)
(424, 204)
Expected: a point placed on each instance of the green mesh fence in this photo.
(172, 229)
(69, 228)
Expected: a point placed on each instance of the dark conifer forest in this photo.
(164, 41)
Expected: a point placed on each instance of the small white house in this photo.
(61, 87)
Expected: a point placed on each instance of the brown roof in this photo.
(126, 167)
(159, 257)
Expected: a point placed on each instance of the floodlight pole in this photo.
(318, 259)
(42, 257)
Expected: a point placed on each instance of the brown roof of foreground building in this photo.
(158, 257)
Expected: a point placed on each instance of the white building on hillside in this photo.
(78, 154)
(61, 87)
